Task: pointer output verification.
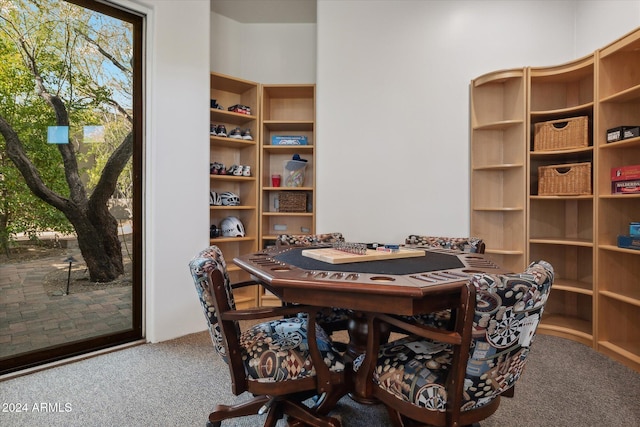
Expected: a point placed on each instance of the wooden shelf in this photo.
(499, 208)
(289, 126)
(573, 286)
(631, 94)
(500, 125)
(561, 153)
(562, 242)
(499, 167)
(568, 326)
(288, 149)
(231, 142)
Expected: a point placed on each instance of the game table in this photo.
(436, 279)
(394, 286)
(401, 286)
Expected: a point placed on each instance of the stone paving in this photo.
(31, 320)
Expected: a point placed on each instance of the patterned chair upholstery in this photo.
(275, 360)
(464, 244)
(411, 374)
(308, 239)
(330, 318)
(442, 319)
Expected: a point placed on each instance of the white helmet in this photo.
(214, 199)
(229, 199)
(232, 227)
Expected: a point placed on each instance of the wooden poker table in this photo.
(403, 286)
(437, 280)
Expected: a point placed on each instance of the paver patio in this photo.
(30, 319)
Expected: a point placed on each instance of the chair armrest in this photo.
(459, 338)
(265, 312)
(442, 335)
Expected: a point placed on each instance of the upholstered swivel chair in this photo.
(416, 377)
(331, 319)
(308, 239)
(464, 244)
(281, 362)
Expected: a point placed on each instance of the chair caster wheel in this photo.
(214, 424)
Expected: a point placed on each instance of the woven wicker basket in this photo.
(563, 134)
(569, 179)
(291, 201)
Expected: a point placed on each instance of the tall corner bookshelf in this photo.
(498, 165)
(561, 227)
(229, 91)
(596, 293)
(618, 269)
(286, 110)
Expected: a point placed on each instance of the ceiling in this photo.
(267, 11)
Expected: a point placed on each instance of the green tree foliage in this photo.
(20, 210)
(63, 65)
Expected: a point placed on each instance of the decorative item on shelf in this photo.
(629, 242)
(294, 171)
(625, 179)
(562, 134)
(622, 132)
(235, 133)
(221, 130)
(231, 226)
(214, 199)
(215, 105)
(569, 179)
(217, 168)
(214, 231)
(239, 108)
(290, 201)
(229, 198)
(634, 229)
(288, 140)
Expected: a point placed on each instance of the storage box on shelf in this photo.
(242, 150)
(567, 179)
(622, 132)
(290, 201)
(625, 179)
(561, 134)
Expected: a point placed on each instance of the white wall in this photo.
(599, 23)
(177, 152)
(393, 105)
(393, 100)
(264, 53)
(392, 113)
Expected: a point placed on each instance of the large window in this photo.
(70, 179)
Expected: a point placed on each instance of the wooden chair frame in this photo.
(274, 398)
(459, 338)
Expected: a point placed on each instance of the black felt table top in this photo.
(432, 261)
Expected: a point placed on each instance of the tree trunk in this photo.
(96, 228)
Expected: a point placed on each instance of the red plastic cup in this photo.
(275, 180)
